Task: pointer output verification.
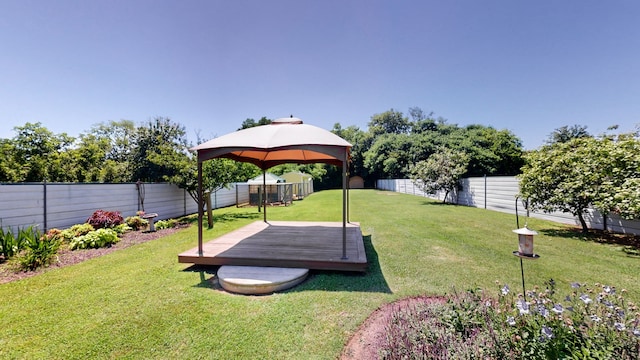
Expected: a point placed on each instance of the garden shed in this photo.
(273, 187)
(302, 184)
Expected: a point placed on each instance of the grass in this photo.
(141, 303)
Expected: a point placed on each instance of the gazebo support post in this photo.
(264, 193)
(344, 208)
(348, 199)
(200, 209)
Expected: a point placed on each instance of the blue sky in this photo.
(526, 66)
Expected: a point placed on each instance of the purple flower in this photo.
(542, 310)
(505, 290)
(607, 304)
(619, 326)
(609, 290)
(523, 307)
(595, 318)
(585, 298)
(547, 332)
(557, 308)
(511, 321)
(636, 332)
(575, 285)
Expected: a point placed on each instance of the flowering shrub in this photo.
(589, 323)
(105, 219)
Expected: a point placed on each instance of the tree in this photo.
(38, 151)
(567, 133)
(561, 177)
(361, 141)
(160, 148)
(389, 156)
(249, 123)
(11, 169)
(118, 137)
(440, 172)
(389, 122)
(618, 160)
(583, 172)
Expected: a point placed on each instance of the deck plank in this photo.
(311, 245)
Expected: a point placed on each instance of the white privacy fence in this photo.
(499, 193)
(61, 205)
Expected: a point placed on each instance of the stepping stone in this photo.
(256, 280)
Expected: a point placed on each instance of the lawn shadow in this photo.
(370, 281)
(437, 203)
(629, 242)
(208, 277)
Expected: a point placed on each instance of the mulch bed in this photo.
(67, 257)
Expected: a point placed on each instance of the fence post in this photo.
(44, 203)
(485, 191)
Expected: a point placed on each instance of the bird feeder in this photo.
(525, 250)
(525, 243)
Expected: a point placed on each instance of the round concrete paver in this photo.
(256, 280)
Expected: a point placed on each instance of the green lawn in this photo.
(141, 303)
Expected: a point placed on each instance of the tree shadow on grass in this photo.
(226, 217)
(630, 243)
(438, 203)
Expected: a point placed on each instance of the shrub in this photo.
(590, 322)
(105, 219)
(75, 231)
(166, 224)
(11, 244)
(95, 239)
(122, 228)
(136, 222)
(8, 245)
(40, 250)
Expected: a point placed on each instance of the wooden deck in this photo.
(310, 245)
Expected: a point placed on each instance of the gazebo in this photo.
(285, 140)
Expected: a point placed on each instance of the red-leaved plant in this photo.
(105, 219)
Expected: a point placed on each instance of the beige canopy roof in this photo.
(286, 140)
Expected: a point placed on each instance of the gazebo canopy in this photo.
(285, 140)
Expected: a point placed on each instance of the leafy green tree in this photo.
(562, 177)
(389, 156)
(38, 151)
(567, 133)
(572, 176)
(248, 123)
(361, 141)
(618, 160)
(11, 169)
(389, 122)
(154, 142)
(440, 172)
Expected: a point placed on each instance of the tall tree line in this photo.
(393, 143)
